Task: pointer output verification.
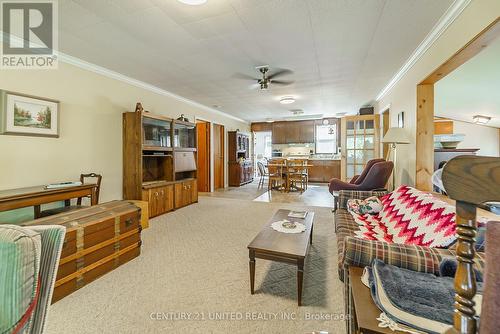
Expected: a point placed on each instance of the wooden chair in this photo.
(67, 204)
(298, 174)
(277, 179)
(262, 173)
(471, 181)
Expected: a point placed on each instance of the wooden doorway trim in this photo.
(386, 121)
(203, 138)
(219, 156)
(425, 102)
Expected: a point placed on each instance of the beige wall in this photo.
(485, 138)
(91, 127)
(402, 97)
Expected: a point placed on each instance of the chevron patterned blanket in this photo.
(410, 216)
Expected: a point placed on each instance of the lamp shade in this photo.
(396, 136)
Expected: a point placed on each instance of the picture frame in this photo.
(27, 115)
(401, 119)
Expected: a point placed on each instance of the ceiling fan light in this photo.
(193, 2)
(478, 119)
(287, 100)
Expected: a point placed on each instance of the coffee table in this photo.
(282, 247)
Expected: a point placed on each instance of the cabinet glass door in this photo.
(361, 143)
(184, 136)
(156, 132)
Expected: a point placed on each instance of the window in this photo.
(326, 138)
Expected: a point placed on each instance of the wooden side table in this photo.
(363, 312)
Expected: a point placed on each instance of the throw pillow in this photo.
(371, 205)
(410, 216)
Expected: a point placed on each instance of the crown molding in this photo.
(439, 28)
(138, 83)
(80, 63)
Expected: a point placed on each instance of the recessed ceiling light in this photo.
(326, 122)
(193, 2)
(287, 100)
(481, 119)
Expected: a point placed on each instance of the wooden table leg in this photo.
(300, 277)
(251, 255)
(36, 211)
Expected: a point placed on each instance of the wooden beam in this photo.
(425, 102)
(478, 43)
(425, 137)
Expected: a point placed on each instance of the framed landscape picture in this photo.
(28, 115)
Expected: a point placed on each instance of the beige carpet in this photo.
(195, 261)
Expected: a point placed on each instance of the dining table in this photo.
(287, 170)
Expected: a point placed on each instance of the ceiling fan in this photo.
(267, 79)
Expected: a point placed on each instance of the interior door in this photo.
(360, 143)
(203, 137)
(218, 156)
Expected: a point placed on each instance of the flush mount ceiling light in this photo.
(287, 100)
(478, 119)
(193, 2)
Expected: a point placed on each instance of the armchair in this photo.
(30, 258)
(374, 176)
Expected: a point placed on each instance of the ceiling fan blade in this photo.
(282, 82)
(244, 76)
(280, 73)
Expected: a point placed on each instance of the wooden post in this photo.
(470, 180)
(465, 279)
(425, 137)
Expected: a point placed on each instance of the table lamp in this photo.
(395, 136)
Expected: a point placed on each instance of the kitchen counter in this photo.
(324, 170)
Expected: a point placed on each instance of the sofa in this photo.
(353, 251)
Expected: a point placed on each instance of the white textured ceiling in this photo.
(472, 89)
(342, 51)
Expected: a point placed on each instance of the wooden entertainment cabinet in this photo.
(159, 161)
(240, 166)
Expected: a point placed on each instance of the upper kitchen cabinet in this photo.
(306, 132)
(279, 133)
(293, 132)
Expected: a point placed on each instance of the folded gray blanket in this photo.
(409, 297)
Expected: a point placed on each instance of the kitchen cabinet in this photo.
(160, 199)
(306, 132)
(279, 133)
(323, 170)
(293, 132)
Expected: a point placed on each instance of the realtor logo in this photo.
(29, 34)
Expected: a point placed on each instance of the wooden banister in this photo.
(470, 180)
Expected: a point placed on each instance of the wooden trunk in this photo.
(98, 239)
